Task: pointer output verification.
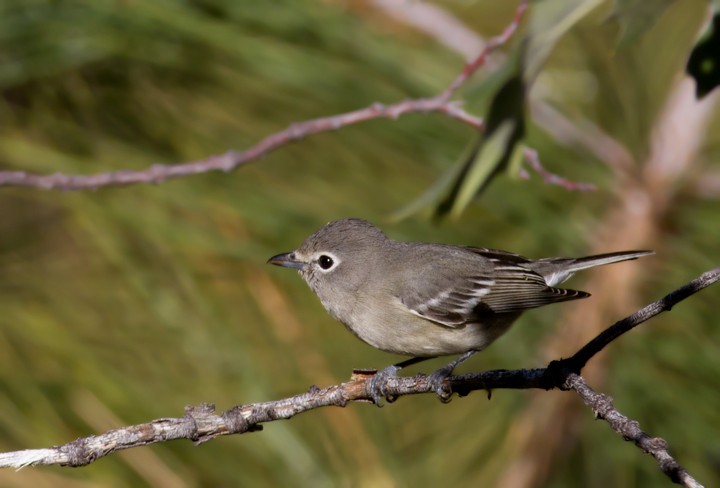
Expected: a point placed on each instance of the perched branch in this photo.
(231, 160)
(201, 424)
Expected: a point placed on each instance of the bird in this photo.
(423, 299)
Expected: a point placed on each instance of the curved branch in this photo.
(665, 304)
(231, 160)
(201, 423)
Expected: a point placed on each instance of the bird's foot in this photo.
(437, 379)
(437, 382)
(377, 385)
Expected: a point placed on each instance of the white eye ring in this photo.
(326, 261)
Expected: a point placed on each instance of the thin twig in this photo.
(630, 430)
(492, 44)
(533, 160)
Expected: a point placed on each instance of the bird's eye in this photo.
(326, 262)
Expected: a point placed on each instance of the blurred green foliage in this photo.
(123, 305)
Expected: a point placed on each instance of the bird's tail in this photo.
(557, 270)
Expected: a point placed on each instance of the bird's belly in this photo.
(429, 339)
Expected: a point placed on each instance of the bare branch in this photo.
(630, 430)
(533, 160)
(583, 134)
(231, 160)
(201, 424)
(580, 358)
(491, 45)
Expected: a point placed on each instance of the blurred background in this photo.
(123, 305)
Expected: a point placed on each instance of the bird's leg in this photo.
(437, 379)
(377, 385)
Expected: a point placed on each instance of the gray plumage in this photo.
(424, 299)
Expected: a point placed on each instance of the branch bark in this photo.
(201, 423)
(630, 430)
(231, 160)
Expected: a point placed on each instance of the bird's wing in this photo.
(497, 256)
(518, 288)
(471, 288)
(449, 301)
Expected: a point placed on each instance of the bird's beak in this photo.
(286, 260)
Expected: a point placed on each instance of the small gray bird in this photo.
(427, 300)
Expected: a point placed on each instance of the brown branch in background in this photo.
(533, 160)
(491, 45)
(231, 160)
(201, 424)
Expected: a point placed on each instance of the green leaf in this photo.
(505, 126)
(505, 122)
(515, 161)
(550, 20)
(489, 152)
(636, 17)
(426, 203)
(489, 161)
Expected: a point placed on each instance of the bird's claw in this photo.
(377, 385)
(437, 382)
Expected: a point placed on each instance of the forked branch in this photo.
(231, 160)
